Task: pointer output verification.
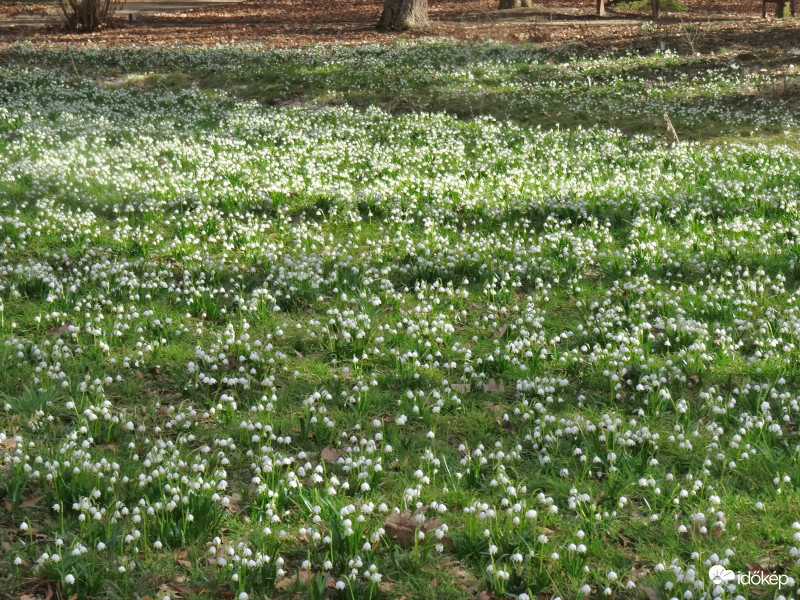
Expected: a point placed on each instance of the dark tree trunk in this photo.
(515, 4)
(403, 14)
(656, 6)
(782, 9)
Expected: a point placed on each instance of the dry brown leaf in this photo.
(285, 583)
(494, 386)
(386, 586)
(756, 568)
(304, 575)
(234, 503)
(182, 556)
(501, 330)
(466, 579)
(402, 527)
(32, 501)
(183, 589)
(60, 330)
(9, 506)
(461, 388)
(649, 593)
(329, 455)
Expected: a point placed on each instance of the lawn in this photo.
(425, 320)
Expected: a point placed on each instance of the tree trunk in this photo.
(782, 9)
(601, 8)
(515, 4)
(656, 6)
(403, 14)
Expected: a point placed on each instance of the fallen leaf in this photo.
(182, 556)
(304, 575)
(501, 330)
(61, 330)
(466, 579)
(461, 388)
(493, 386)
(402, 527)
(285, 583)
(756, 568)
(649, 593)
(32, 501)
(329, 455)
(183, 589)
(625, 541)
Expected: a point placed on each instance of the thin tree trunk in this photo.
(656, 5)
(601, 8)
(403, 14)
(515, 4)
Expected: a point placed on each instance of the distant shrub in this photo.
(87, 15)
(645, 5)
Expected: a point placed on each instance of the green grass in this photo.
(254, 301)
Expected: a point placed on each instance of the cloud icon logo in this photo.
(720, 575)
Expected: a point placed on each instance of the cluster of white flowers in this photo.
(318, 332)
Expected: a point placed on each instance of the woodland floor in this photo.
(708, 24)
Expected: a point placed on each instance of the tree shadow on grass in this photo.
(522, 84)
